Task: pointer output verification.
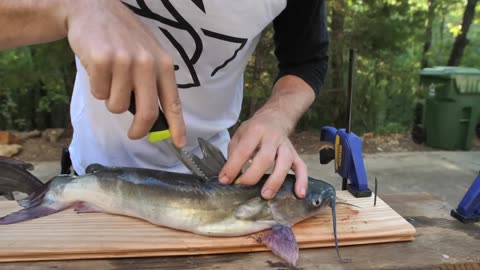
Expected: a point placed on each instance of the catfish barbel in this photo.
(180, 201)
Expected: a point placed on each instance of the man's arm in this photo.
(31, 22)
(121, 57)
(301, 47)
(301, 41)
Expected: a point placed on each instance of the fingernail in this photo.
(303, 192)
(267, 193)
(224, 180)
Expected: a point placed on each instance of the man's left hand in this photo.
(264, 140)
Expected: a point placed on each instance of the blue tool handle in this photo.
(469, 208)
(347, 153)
(327, 152)
(328, 134)
(349, 164)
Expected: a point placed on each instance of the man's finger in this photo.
(146, 97)
(170, 100)
(100, 74)
(239, 154)
(262, 161)
(283, 164)
(301, 174)
(122, 85)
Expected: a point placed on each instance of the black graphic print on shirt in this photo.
(181, 24)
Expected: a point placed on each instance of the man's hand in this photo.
(123, 58)
(120, 55)
(264, 139)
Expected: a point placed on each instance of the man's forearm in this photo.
(291, 97)
(26, 22)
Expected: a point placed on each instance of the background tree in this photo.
(428, 31)
(461, 40)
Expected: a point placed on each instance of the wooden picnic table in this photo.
(442, 243)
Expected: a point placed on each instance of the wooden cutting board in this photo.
(67, 235)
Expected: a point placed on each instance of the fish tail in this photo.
(14, 176)
(17, 178)
(16, 163)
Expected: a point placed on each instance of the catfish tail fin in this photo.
(14, 177)
(17, 163)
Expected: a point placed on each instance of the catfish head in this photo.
(288, 209)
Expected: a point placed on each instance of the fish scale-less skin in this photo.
(203, 208)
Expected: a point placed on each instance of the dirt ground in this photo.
(40, 149)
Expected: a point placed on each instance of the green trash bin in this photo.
(452, 106)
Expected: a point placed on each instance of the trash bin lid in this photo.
(466, 79)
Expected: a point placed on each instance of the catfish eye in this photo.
(316, 202)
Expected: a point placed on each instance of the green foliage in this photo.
(388, 36)
(260, 74)
(36, 84)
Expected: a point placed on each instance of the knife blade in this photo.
(160, 132)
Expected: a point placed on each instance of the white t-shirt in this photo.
(210, 42)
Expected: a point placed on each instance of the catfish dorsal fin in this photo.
(93, 168)
(212, 162)
(212, 154)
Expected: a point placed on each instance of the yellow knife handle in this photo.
(159, 130)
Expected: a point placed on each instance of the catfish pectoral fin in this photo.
(282, 242)
(83, 207)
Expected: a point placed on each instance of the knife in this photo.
(160, 132)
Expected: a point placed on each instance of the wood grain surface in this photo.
(67, 235)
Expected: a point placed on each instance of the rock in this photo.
(53, 134)
(7, 137)
(10, 150)
(23, 136)
(393, 142)
(368, 136)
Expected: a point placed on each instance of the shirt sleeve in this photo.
(301, 41)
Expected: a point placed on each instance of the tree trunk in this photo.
(256, 76)
(440, 41)
(461, 40)
(428, 32)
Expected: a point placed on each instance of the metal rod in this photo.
(376, 189)
(351, 65)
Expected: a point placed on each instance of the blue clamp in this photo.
(348, 159)
(468, 211)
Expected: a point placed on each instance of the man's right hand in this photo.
(119, 54)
